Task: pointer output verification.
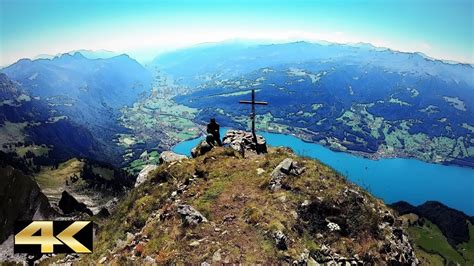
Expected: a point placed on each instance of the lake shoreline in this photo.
(372, 156)
(377, 155)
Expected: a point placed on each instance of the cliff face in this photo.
(271, 208)
(20, 199)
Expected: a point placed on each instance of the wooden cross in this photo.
(252, 114)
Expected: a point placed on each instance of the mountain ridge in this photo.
(89, 92)
(244, 43)
(222, 208)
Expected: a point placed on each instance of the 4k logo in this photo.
(35, 237)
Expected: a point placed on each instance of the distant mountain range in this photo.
(90, 54)
(114, 81)
(88, 92)
(230, 59)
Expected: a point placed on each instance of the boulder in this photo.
(144, 156)
(202, 148)
(103, 213)
(216, 257)
(194, 243)
(275, 179)
(333, 227)
(388, 218)
(68, 204)
(111, 204)
(285, 168)
(280, 240)
(149, 261)
(143, 175)
(243, 141)
(169, 156)
(190, 216)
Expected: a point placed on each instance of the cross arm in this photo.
(250, 102)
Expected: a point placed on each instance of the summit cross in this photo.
(252, 114)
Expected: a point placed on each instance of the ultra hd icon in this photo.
(35, 237)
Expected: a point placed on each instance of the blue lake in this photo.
(392, 180)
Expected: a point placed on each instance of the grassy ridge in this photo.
(232, 193)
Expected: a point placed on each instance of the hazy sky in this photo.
(440, 29)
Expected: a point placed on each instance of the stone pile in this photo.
(243, 141)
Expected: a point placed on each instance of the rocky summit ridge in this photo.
(273, 207)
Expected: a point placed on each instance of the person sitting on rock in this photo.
(213, 129)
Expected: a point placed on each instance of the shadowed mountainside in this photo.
(89, 92)
(452, 223)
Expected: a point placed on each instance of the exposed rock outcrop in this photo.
(285, 168)
(398, 250)
(190, 216)
(68, 204)
(280, 240)
(340, 220)
(169, 156)
(20, 199)
(103, 213)
(202, 148)
(143, 175)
